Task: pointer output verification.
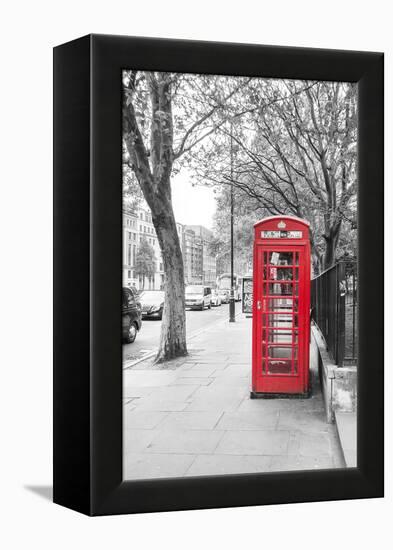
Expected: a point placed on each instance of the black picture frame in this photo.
(87, 275)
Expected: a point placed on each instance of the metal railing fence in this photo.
(334, 310)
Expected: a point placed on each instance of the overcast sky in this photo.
(192, 205)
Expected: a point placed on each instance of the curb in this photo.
(128, 365)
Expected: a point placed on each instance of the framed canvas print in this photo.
(218, 275)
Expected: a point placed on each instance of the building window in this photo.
(161, 267)
(129, 235)
(129, 273)
(129, 255)
(144, 228)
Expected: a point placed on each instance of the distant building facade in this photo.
(138, 225)
(199, 263)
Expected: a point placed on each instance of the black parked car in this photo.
(152, 303)
(131, 313)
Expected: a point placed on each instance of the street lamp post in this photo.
(232, 296)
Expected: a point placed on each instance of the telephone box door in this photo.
(281, 319)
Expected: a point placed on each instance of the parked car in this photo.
(152, 303)
(131, 315)
(224, 294)
(215, 299)
(198, 297)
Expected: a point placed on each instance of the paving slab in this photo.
(136, 441)
(291, 463)
(154, 466)
(136, 391)
(208, 399)
(163, 405)
(253, 442)
(309, 445)
(237, 381)
(248, 420)
(150, 378)
(228, 464)
(143, 419)
(197, 373)
(234, 370)
(210, 366)
(218, 392)
(188, 420)
(262, 405)
(185, 442)
(310, 422)
(192, 381)
(173, 393)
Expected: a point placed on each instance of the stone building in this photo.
(136, 226)
(199, 263)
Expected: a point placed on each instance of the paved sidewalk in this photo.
(195, 417)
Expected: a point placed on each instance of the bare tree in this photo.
(295, 154)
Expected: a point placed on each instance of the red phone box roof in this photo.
(281, 227)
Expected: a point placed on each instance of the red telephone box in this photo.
(281, 307)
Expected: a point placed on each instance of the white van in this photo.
(198, 297)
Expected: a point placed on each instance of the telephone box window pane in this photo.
(278, 273)
(280, 304)
(280, 320)
(282, 366)
(284, 274)
(280, 289)
(280, 337)
(280, 258)
(280, 352)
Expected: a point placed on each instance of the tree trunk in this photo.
(173, 329)
(153, 171)
(329, 257)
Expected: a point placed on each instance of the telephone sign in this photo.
(281, 307)
(281, 234)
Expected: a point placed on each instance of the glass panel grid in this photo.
(280, 291)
